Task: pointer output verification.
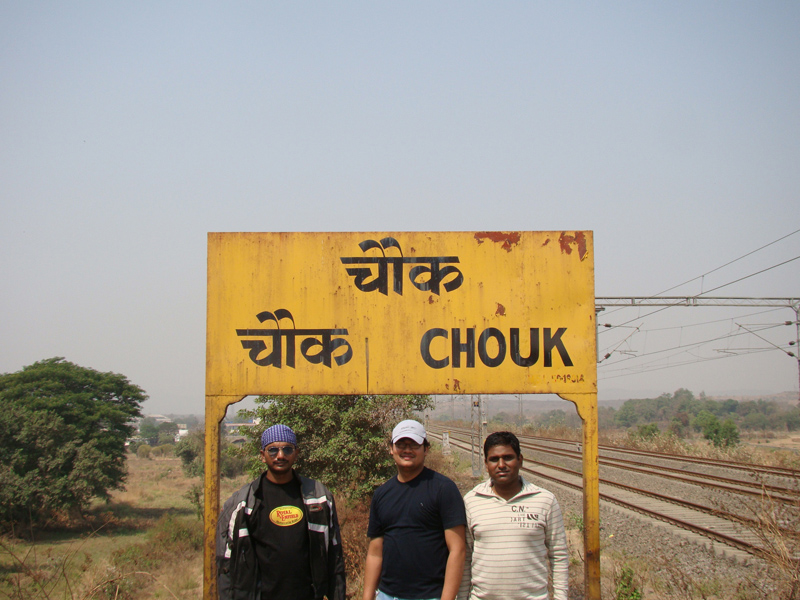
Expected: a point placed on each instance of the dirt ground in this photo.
(788, 442)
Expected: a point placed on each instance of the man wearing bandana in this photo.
(278, 537)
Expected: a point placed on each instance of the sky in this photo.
(131, 130)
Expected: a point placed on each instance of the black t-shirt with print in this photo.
(280, 537)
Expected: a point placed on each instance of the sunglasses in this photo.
(287, 451)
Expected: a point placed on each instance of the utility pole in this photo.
(797, 345)
(473, 435)
(484, 432)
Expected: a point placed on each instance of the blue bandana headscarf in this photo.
(278, 433)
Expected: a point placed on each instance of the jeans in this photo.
(381, 596)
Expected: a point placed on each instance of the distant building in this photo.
(232, 429)
(159, 418)
(183, 431)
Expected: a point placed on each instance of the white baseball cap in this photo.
(409, 429)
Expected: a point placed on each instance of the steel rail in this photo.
(709, 533)
(705, 480)
(727, 464)
(726, 483)
(741, 466)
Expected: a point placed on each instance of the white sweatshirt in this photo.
(511, 545)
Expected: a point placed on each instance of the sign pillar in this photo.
(587, 410)
(216, 407)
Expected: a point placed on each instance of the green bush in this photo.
(196, 497)
(134, 444)
(177, 535)
(677, 428)
(724, 435)
(648, 432)
(144, 451)
(169, 538)
(163, 450)
(626, 587)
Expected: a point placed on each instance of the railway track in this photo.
(747, 468)
(735, 531)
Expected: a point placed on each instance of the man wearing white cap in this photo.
(416, 527)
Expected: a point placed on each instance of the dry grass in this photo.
(702, 448)
(353, 521)
(776, 526)
(145, 543)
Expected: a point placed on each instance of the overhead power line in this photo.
(669, 302)
(607, 326)
(730, 262)
(723, 266)
(701, 299)
(690, 300)
(693, 344)
(674, 365)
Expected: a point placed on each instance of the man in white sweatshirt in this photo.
(515, 532)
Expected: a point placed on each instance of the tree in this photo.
(167, 432)
(754, 421)
(792, 419)
(342, 439)
(502, 418)
(705, 421)
(62, 437)
(148, 430)
(722, 435)
(552, 418)
(191, 451)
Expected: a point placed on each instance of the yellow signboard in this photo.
(400, 313)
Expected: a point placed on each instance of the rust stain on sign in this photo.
(501, 310)
(456, 385)
(567, 241)
(507, 238)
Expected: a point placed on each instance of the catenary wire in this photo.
(683, 364)
(716, 269)
(607, 328)
(684, 346)
(711, 290)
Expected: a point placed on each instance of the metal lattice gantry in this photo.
(609, 301)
